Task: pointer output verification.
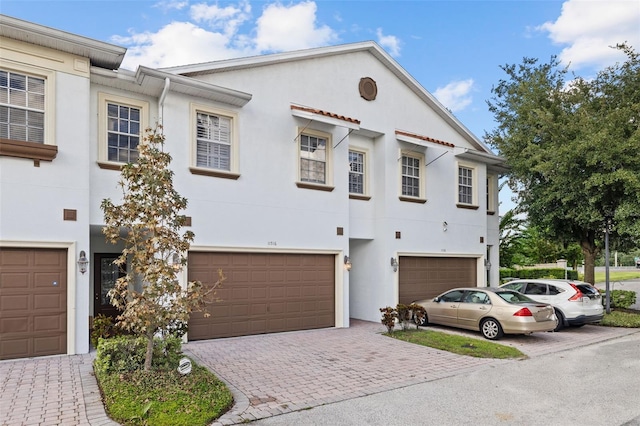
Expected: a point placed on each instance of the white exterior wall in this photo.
(33, 199)
(330, 84)
(263, 210)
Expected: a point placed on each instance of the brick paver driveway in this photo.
(279, 373)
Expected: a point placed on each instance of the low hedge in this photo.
(127, 353)
(506, 273)
(622, 299)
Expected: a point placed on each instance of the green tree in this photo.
(148, 222)
(573, 150)
(511, 227)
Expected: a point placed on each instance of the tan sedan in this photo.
(492, 311)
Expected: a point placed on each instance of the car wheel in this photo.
(560, 317)
(491, 329)
(422, 321)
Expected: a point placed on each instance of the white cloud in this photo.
(167, 5)
(178, 43)
(455, 95)
(589, 28)
(282, 28)
(215, 33)
(389, 42)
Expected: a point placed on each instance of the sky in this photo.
(453, 48)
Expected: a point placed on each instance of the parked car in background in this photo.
(492, 311)
(576, 303)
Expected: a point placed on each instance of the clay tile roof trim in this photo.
(326, 114)
(425, 138)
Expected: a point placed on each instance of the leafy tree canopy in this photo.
(148, 222)
(574, 150)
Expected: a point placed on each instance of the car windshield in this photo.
(513, 296)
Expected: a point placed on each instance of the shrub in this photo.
(104, 327)
(389, 316)
(622, 299)
(403, 313)
(418, 312)
(125, 353)
(537, 273)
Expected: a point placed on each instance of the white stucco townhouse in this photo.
(326, 183)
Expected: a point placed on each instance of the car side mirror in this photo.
(437, 299)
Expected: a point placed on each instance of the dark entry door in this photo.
(106, 273)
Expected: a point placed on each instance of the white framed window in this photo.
(412, 177)
(314, 159)
(358, 174)
(467, 186)
(27, 112)
(22, 107)
(492, 189)
(215, 142)
(122, 123)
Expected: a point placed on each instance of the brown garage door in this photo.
(264, 293)
(425, 277)
(33, 302)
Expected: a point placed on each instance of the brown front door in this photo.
(105, 275)
(33, 302)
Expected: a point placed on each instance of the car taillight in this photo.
(524, 312)
(576, 297)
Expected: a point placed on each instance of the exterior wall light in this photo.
(394, 264)
(347, 263)
(83, 262)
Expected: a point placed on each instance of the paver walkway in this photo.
(268, 374)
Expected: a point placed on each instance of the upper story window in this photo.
(215, 143)
(27, 112)
(122, 122)
(123, 132)
(22, 107)
(314, 166)
(492, 188)
(467, 187)
(358, 185)
(356, 172)
(412, 177)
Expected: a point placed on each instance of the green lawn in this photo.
(616, 276)
(456, 344)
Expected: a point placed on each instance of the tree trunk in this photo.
(149, 355)
(590, 252)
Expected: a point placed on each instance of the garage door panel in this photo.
(17, 302)
(18, 324)
(33, 302)
(14, 280)
(46, 323)
(274, 287)
(426, 277)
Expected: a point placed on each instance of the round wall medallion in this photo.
(368, 88)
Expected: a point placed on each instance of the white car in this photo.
(576, 303)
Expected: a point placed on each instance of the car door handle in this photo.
(483, 308)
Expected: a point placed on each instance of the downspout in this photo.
(167, 83)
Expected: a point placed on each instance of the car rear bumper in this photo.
(529, 326)
(585, 319)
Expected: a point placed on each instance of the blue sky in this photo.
(453, 48)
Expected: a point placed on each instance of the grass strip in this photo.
(159, 398)
(460, 345)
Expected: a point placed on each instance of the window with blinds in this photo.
(313, 159)
(213, 142)
(22, 107)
